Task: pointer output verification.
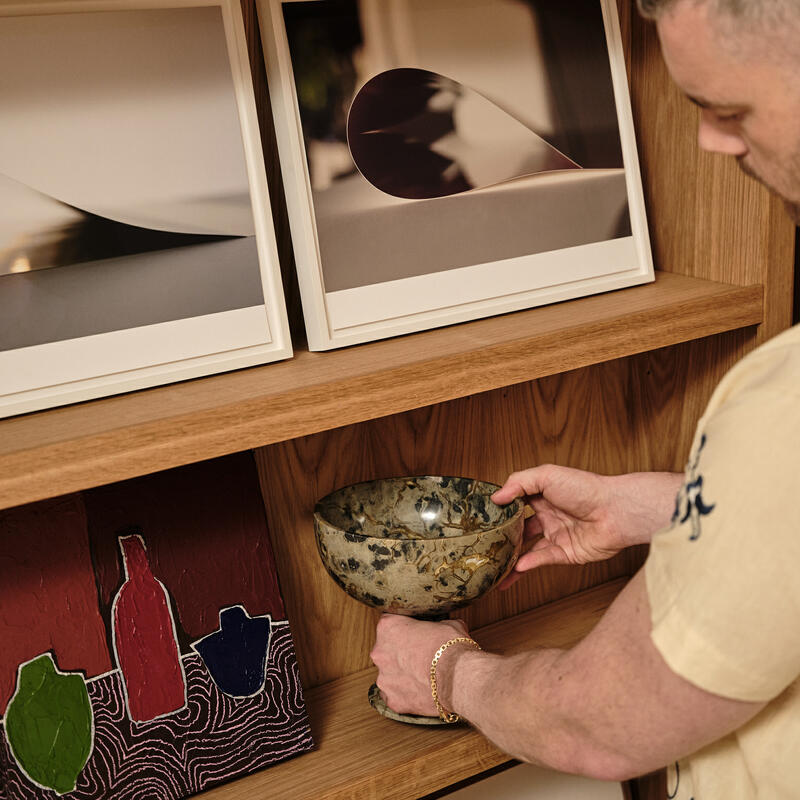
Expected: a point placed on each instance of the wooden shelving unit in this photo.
(68, 449)
(362, 755)
(574, 383)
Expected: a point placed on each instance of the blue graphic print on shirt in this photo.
(689, 503)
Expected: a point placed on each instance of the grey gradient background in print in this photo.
(122, 169)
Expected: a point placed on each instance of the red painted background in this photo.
(48, 595)
(206, 534)
(60, 563)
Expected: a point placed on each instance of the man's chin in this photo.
(793, 210)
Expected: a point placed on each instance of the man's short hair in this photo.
(758, 11)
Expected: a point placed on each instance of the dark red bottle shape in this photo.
(144, 639)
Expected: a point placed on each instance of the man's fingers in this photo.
(541, 544)
(509, 580)
(509, 491)
(540, 555)
(533, 527)
(519, 484)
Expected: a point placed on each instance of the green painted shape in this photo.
(49, 724)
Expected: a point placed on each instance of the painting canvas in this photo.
(447, 160)
(136, 239)
(145, 648)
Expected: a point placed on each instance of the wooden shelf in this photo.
(49, 453)
(362, 755)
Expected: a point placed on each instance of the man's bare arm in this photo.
(582, 517)
(610, 708)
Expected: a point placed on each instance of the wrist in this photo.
(643, 504)
(442, 672)
(463, 681)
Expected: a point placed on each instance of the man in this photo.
(696, 663)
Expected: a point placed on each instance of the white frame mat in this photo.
(344, 315)
(248, 326)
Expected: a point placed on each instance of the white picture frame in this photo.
(349, 307)
(144, 251)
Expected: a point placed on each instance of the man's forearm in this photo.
(609, 708)
(530, 706)
(645, 500)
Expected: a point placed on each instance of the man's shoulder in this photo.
(772, 367)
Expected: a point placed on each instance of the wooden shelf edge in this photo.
(361, 755)
(53, 452)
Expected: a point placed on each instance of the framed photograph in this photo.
(445, 161)
(136, 238)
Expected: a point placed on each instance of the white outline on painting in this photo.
(336, 319)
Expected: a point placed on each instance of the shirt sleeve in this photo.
(724, 580)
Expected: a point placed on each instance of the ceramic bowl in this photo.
(420, 546)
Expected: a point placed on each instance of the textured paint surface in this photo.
(49, 724)
(207, 540)
(210, 741)
(236, 655)
(420, 546)
(209, 537)
(48, 596)
(144, 640)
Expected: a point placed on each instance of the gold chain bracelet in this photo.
(446, 715)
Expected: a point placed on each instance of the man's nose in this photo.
(719, 136)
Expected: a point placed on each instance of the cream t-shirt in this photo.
(724, 579)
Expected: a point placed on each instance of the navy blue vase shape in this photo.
(236, 654)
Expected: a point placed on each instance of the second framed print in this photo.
(136, 239)
(445, 161)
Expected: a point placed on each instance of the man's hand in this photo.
(404, 649)
(582, 517)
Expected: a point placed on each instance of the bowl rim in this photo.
(518, 502)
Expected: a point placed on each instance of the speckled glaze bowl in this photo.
(419, 546)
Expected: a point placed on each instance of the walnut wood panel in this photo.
(675, 385)
(361, 756)
(68, 449)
